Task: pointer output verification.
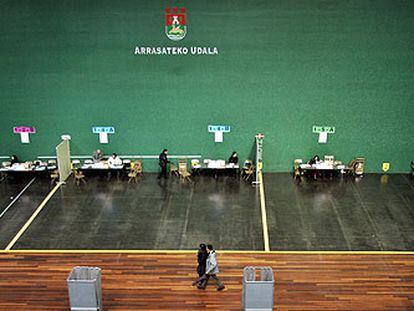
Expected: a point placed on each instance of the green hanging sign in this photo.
(326, 129)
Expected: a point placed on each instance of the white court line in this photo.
(190, 156)
(17, 197)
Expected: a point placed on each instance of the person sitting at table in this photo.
(114, 160)
(97, 156)
(38, 163)
(234, 159)
(314, 160)
(14, 159)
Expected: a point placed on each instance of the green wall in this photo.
(283, 67)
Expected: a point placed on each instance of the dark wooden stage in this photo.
(162, 281)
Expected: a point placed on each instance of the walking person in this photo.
(202, 262)
(211, 269)
(163, 161)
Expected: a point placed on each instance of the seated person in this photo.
(234, 158)
(314, 160)
(114, 160)
(14, 159)
(38, 163)
(248, 164)
(97, 156)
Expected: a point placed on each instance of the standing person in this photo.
(163, 161)
(202, 262)
(211, 269)
(234, 159)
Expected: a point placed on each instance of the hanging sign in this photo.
(218, 131)
(103, 129)
(103, 132)
(219, 128)
(323, 132)
(326, 129)
(24, 132)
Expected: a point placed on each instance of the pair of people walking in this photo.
(207, 267)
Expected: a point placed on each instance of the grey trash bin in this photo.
(258, 294)
(84, 286)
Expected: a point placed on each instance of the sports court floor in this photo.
(373, 213)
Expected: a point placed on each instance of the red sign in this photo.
(24, 129)
(259, 136)
(174, 17)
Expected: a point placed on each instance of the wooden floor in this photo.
(162, 281)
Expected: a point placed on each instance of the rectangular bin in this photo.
(258, 294)
(84, 286)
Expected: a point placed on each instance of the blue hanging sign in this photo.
(103, 129)
(219, 128)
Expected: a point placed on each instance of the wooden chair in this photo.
(54, 176)
(78, 176)
(6, 164)
(75, 164)
(133, 176)
(183, 171)
(248, 170)
(138, 168)
(356, 166)
(297, 172)
(136, 172)
(174, 170)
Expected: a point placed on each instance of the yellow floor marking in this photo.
(27, 224)
(264, 216)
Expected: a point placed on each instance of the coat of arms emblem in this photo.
(175, 23)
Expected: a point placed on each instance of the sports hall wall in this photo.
(282, 67)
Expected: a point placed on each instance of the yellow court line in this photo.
(28, 223)
(264, 216)
(169, 251)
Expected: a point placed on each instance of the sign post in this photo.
(323, 132)
(103, 132)
(24, 132)
(259, 156)
(218, 131)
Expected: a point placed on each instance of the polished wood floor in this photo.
(162, 281)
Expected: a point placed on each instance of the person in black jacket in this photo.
(234, 159)
(163, 161)
(201, 268)
(14, 159)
